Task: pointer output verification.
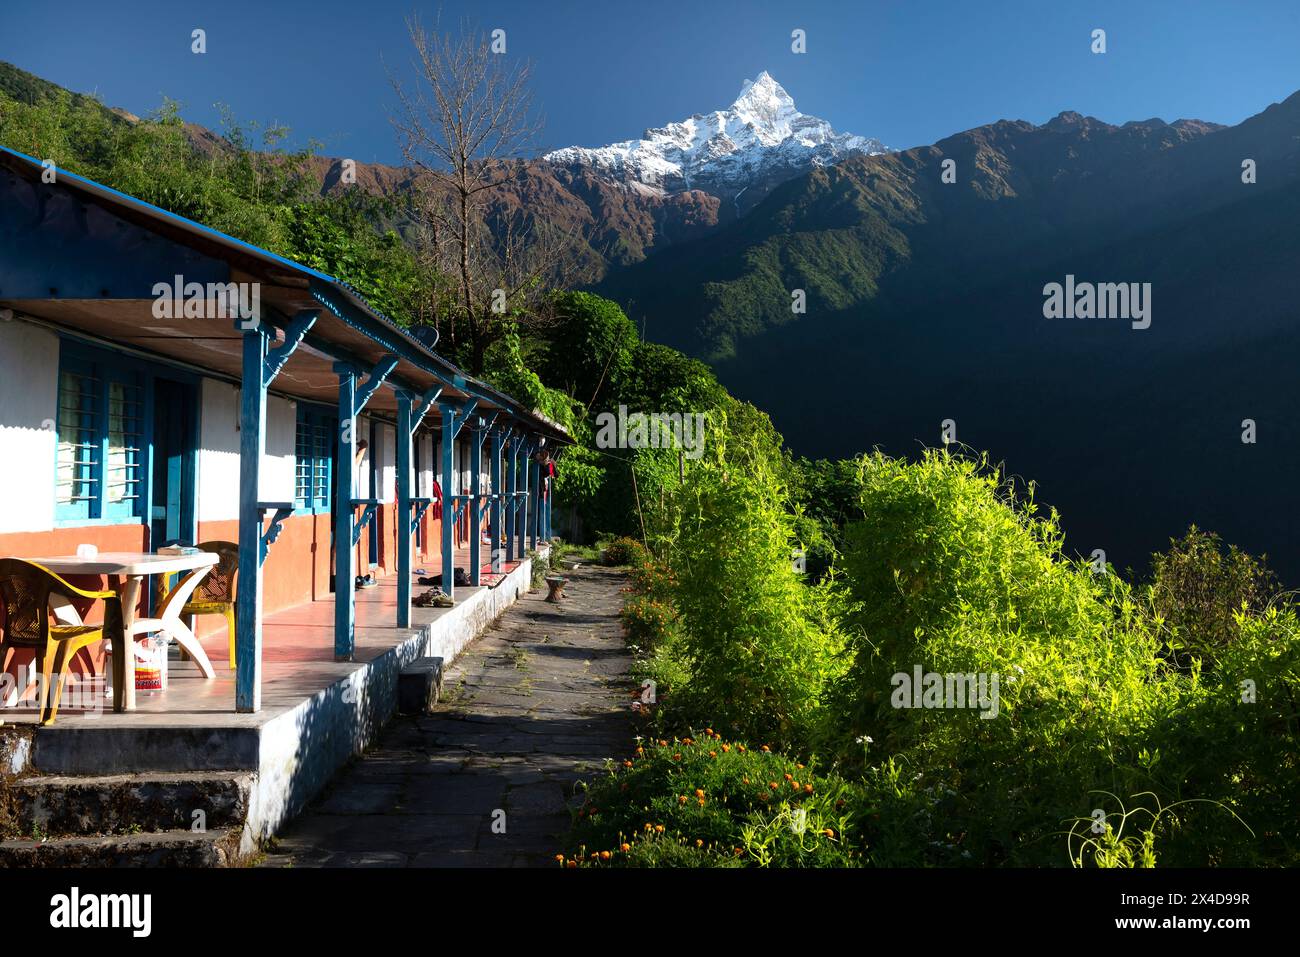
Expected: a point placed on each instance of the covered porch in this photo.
(94, 268)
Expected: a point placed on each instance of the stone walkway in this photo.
(531, 707)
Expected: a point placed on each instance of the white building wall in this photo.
(386, 456)
(427, 466)
(217, 494)
(29, 395)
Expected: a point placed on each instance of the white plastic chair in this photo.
(170, 624)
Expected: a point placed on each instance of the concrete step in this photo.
(43, 806)
(159, 849)
(15, 748)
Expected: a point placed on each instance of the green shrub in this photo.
(761, 645)
(1198, 590)
(705, 802)
(624, 551)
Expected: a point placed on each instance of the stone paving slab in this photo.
(534, 705)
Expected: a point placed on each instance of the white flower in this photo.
(865, 739)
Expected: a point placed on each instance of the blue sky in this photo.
(906, 72)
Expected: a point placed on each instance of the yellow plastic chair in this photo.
(215, 594)
(32, 596)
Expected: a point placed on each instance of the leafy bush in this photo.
(761, 645)
(1198, 590)
(622, 551)
(707, 802)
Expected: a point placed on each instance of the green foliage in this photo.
(505, 369)
(761, 645)
(1198, 591)
(710, 802)
(591, 348)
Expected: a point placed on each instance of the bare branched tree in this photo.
(465, 125)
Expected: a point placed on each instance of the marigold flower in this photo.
(773, 785)
(807, 789)
(625, 848)
(789, 777)
(681, 799)
(829, 832)
(699, 842)
(659, 828)
(560, 858)
(699, 792)
(765, 749)
(571, 864)
(713, 754)
(726, 748)
(605, 855)
(740, 748)
(677, 756)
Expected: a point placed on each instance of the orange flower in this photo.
(726, 748)
(795, 785)
(677, 756)
(681, 799)
(807, 789)
(713, 754)
(659, 828)
(560, 858)
(799, 766)
(740, 748)
(605, 855)
(699, 792)
(640, 750)
(789, 777)
(571, 864)
(765, 749)
(625, 848)
(708, 731)
(829, 832)
(699, 842)
(739, 851)
(745, 780)
(663, 744)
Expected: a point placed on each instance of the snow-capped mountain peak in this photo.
(759, 141)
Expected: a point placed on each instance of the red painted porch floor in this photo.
(297, 662)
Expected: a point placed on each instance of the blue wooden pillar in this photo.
(448, 502)
(476, 494)
(403, 436)
(261, 364)
(512, 478)
(521, 500)
(344, 517)
(411, 409)
(535, 492)
(498, 500)
(352, 399)
(453, 418)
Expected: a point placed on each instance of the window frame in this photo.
(105, 369)
(321, 445)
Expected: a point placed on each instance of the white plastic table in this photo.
(130, 569)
